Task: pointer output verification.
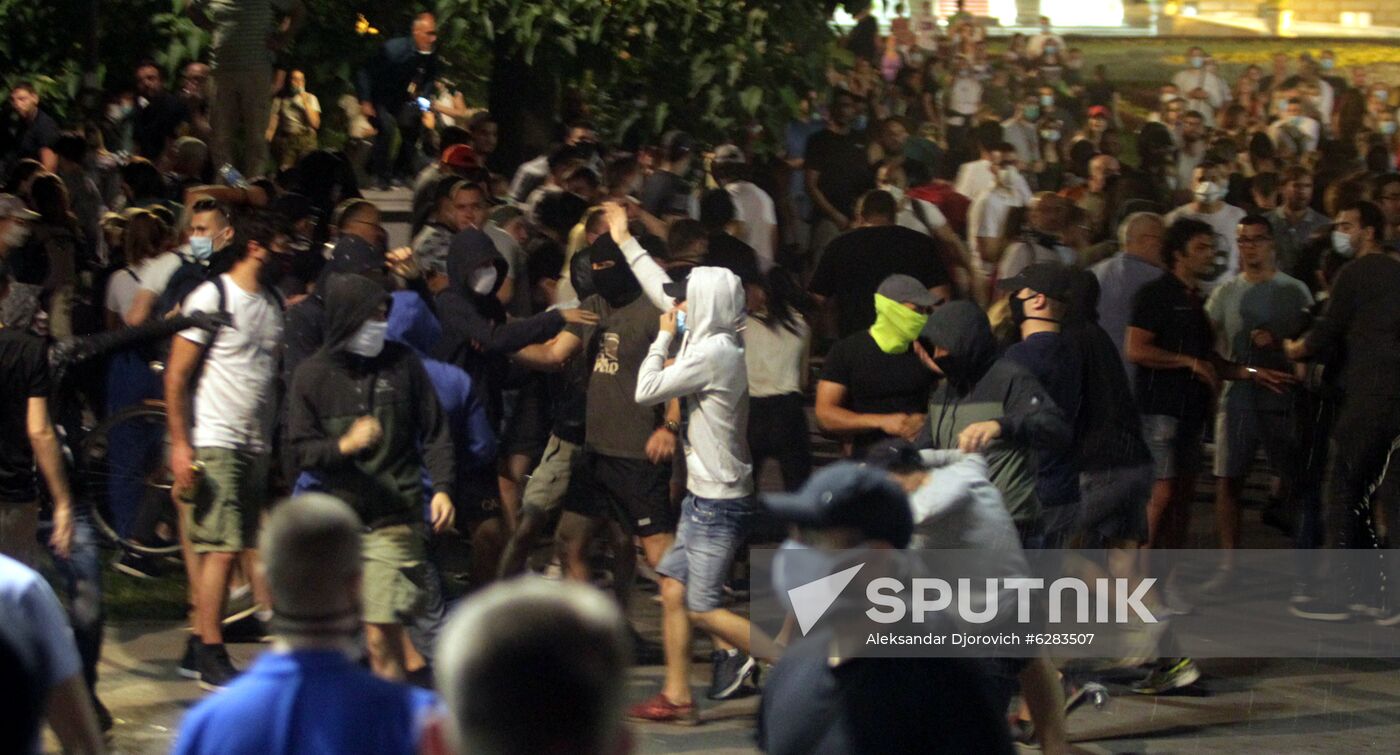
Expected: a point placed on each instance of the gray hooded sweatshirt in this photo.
(709, 374)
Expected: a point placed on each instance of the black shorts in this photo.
(635, 491)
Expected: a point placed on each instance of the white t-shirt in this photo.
(911, 219)
(754, 208)
(155, 273)
(1217, 92)
(774, 356)
(965, 96)
(987, 218)
(1227, 251)
(121, 291)
(976, 177)
(233, 399)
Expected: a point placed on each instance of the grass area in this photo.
(1156, 59)
(128, 598)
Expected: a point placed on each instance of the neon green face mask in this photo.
(896, 326)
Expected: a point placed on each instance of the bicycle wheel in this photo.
(124, 470)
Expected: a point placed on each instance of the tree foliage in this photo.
(713, 67)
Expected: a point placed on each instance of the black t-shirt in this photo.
(156, 124)
(665, 193)
(616, 425)
(876, 382)
(844, 171)
(858, 261)
(24, 374)
(1176, 316)
(37, 135)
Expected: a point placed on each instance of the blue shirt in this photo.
(1053, 360)
(307, 701)
(1120, 278)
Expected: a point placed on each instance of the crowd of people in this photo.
(982, 296)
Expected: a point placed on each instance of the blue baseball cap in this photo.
(847, 494)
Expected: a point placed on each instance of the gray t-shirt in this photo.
(1237, 308)
(616, 424)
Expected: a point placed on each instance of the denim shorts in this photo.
(1175, 445)
(710, 533)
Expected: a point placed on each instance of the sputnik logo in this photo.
(811, 601)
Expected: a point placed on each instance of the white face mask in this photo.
(201, 247)
(1007, 176)
(368, 341)
(1341, 244)
(483, 280)
(16, 235)
(1209, 191)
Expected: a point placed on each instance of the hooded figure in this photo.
(710, 373)
(357, 374)
(978, 388)
(616, 283)
(413, 325)
(305, 331)
(476, 336)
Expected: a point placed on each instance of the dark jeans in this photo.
(1366, 436)
(778, 430)
(80, 576)
(386, 122)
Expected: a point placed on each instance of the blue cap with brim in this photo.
(846, 494)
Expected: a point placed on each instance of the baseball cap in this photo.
(728, 153)
(676, 289)
(847, 494)
(12, 206)
(904, 288)
(1098, 111)
(1050, 278)
(460, 156)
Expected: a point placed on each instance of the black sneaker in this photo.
(189, 667)
(104, 716)
(216, 671)
(731, 669)
(1320, 609)
(137, 565)
(247, 629)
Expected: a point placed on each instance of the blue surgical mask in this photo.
(201, 247)
(1047, 100)
(1031, 112)
(1388, 127)
(1197, 61)
(1327, 64)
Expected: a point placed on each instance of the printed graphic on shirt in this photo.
(607, 362)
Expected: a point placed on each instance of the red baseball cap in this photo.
(460, 156)
(1098, 111)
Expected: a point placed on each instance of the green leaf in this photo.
(658, 119)
(750, 99)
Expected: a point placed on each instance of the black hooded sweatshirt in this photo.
(980, 387)
(334, 387)
(475, 333)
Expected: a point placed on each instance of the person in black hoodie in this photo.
(476, 335)
(989, 405)
(366, 420)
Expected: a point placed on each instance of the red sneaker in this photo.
(661, 710)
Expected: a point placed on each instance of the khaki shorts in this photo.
(228, 500)
(547, 484)
(396, 574)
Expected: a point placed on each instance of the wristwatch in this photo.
(674, 427)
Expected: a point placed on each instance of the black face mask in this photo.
(616, 284)
(1018, 311)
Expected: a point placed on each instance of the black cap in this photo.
(676, 289)
(1050, 278)
(846, 494)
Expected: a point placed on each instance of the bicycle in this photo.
(136, 468)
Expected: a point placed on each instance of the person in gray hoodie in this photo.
(989, 405)
(709, 374)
